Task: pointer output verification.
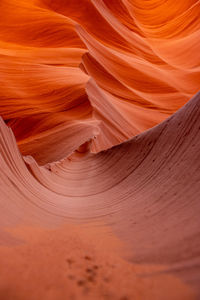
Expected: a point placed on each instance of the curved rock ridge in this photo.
(146, 189)
(99, 149)
(125, 63)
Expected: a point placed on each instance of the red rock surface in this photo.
(99, 152)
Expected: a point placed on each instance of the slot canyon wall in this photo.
(99, 149)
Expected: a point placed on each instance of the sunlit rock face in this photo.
(85, 189)
(118, 67)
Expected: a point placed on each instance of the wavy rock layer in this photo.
(76, 80)
(146, 189)
(138, 66)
